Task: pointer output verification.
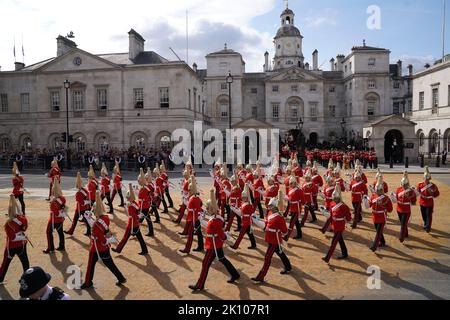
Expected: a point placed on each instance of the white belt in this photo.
(357, 192)
(425, 197)
(273, 230)
(338, 219)
(211, 235)
(405, 203)
(295, 202)
(378, 212)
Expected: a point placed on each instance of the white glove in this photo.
(393, 197)
(87, 202)
(324, 211)
(229, 237)
(416, 191)
(112, 239)
(258, 222)
(236, 211)
(141, 216)
(20, 237)
(366, 202)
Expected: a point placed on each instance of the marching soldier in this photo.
(101, 240)
(309, 189)
(359, 190)
(359, 168)
(271, 192)
(166, 184)
(16, 241)
(159, 190)
(215, 237)
(296, 200)
(54, 174)
(249, 180)
(117, 185)
(83, 206)
(151, 187)
(428, 191)
(327, 194)
(184, 197)
(258, 192)
(330, 167)
(92, 185)
(194, 208)
(297, 169)
(275, 229)
(225, 191)
(235, 203)
(318, 181)
(133, 225)
(381, 205)
(57, 216)
(340, 213)
(18, 186)
(145, 200)
(405, 198)
(106, 188)
(246, 212)
(337, 177)
(288, 175)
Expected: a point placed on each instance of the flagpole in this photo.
(23, 52)
(443, 29)
(14, 49)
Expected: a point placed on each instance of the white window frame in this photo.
(3, 102)
(275, 111)
(102, 99)
(77, 100)
(164, 97)
(421, 100)
(55, 100)
(138, 98)
(25, 102)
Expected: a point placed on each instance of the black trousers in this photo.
(337, 238)
(107, 260)
(119, 192)
(169, 198)
(245, 230)
(155, 212)
(9, 255)
(76, 217)
(261, 211)
(379, 238)
(22, 203)
(357, 211)
(59, 229)
(146, 213)
(271, 249)
(404, 220)
(427, 217)
(194, 229)
(110, 204)
(210, 255)
(128, 232)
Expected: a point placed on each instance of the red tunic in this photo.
(385, 186)
(81, 196)
(340, 213)
(296, 199)
(106, 181)
(133, 214)
(92, 187)
(194, 208)
(275, 228)
(258, 185)
(405, 199)
(359, 189)
(328, 192)
(14, 228)
(165, 178)
(17, 185)
(363, 177)
(235, 197)
(98, 234)
(309, 190)
(298, 172)
(159, 182)
(247, 210)
(144, 198)
(381, 205)
(427, 194)
(54, 173)
(225, 188)
(56, 206)
(341, 183)
(249, 178)
(317, 180)
(241, 175)
(215, 236)
(117, 181)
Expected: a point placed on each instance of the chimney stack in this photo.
(410, 70)
(340, 62)
(400, 68)
(19, 66)
(332, 65)
(64, 45)
(266, 62)
(136, 44)
(315, 56)
(307, 66)
(194, 67)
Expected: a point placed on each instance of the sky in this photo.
(411, 29)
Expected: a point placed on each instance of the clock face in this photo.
(77, 61)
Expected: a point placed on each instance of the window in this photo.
(332, 89)
(254, 112)
(409, 108)
(254, 90)
(189, 99)
(332, 110)
(396, 85)
(275, 88)
(350, 85)
(102, 99)
(224, 110)
(372, 84)
(294, 88)
(25, 102)
(54, 101)
(422, 139)
(421, 100)
(289, 62)
(223, 86)
(77, 100)
(313, 110)
(396, 108)
(5, 144)
(80, 144)
(293, 113)
(138, 98)
(275, 111)
(195, 99)
(350, 66)
(371, 108)
(4, 102)
(313, 88)
(372, 62)
(346, 68)
(435, 100)
(350, 110)
(164, 98)
(448, 96)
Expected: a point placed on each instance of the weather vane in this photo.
(286, 2)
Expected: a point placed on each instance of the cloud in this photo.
(328, 17)
(101, 26)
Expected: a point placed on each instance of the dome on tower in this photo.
(287, 11)
(288, 30)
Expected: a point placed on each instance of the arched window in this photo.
(80, 144)
(5, 143)
(165, 142)
(421, 139)
(373, 103)
(103, 143)
(27, 144)
(223, 106)
(434, 141)
(294, 109)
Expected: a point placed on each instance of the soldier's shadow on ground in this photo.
(62, 265)
(4, 293)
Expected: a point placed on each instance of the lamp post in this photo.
(67, 86)
(438, 160)
(229, 82)
(300, 124)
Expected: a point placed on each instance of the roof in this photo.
(145, 57)
(224, 51)
(287, 11)
(202, 73)
(367, 48)
(37, 65)
(385, 118)
(288, 30)
(333, 75)
(137, 35)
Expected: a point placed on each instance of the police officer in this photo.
(34, 286)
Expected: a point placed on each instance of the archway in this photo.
(313, 140)
(433, 142)
(393, 146)
(447, 140)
